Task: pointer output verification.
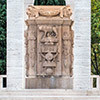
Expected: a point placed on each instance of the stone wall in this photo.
(82, 44)
(15, 44)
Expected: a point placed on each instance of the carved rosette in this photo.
(49, 41)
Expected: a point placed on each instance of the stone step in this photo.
(50, 93)
(26, 97)
(57, 94)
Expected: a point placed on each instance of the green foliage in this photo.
(2, 36)
(95, 35)
(49, 2)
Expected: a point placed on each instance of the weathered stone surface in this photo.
(49, 45)
(49, 83)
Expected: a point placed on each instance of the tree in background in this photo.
(2, 36)
(49, 2)
(95, 37)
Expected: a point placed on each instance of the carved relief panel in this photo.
(49, 51)
(49, 47)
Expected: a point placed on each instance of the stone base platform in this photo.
(49, 95)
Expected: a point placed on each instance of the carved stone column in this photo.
(49, 47)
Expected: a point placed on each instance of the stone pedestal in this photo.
(49, 83)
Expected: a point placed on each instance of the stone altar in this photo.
(49, 47)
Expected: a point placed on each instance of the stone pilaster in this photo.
(82, 44)
(15, 44)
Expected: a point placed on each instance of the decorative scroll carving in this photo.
(32, 12)
(67, 11)
(51, 11)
